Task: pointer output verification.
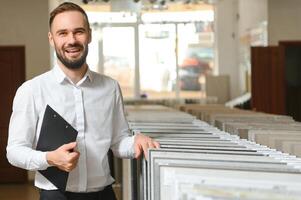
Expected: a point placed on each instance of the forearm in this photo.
(26, 158)
(124, 148)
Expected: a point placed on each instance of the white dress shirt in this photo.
(93, 106)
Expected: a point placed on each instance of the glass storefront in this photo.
(171, 52)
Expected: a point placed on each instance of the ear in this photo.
(90, 35)
(50, 38)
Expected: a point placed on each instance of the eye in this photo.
(62, 33)
(79, 32)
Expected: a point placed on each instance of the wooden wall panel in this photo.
(267, 80)
(12, 71)
(276, 79)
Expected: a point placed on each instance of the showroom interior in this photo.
(231, 68)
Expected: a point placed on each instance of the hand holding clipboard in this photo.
(56, 135)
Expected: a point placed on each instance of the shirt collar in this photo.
(60, 76)
(89, 74)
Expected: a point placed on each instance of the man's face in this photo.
(70, 36)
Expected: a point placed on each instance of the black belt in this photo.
(106, 194)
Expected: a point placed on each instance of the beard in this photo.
(76, 63)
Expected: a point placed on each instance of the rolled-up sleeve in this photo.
(22, 130)
(122, 143)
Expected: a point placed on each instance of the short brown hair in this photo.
(67, 6)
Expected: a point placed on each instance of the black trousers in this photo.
(106, 194)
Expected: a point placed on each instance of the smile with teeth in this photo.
(73, 51)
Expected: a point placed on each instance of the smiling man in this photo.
(70, 35)
(90, 102)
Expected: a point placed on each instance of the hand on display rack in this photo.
(143, 143)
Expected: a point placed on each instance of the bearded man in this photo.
(92, 103)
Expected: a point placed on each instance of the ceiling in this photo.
(145, 5)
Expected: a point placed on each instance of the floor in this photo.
(18, 192)
(28, 192)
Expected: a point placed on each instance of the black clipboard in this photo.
(55, 132)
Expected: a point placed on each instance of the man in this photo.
(90, 102)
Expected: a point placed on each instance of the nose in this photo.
(71, 38)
